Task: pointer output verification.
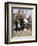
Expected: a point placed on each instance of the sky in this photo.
(26, 11)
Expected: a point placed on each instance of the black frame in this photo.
(6, 12)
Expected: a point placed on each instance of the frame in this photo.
(20, 22)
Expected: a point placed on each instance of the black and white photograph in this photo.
(22, 21)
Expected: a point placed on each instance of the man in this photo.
(21, 22)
